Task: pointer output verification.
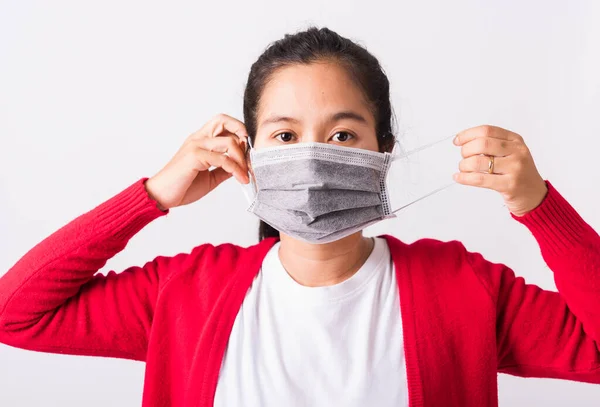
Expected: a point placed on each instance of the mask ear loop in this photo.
(425, 196)
(250, 188)
(397, 156)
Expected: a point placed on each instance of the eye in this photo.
(342, 136)
(285, 137)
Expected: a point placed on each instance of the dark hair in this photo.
(314, 45)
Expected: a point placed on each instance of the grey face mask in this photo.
(318, 192)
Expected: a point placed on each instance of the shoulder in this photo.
(429, 250)
(447, 263)
(211, 263)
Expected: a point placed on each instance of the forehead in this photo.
(311, 89)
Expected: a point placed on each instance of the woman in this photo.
(315, 313)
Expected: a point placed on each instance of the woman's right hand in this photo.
(186, 178)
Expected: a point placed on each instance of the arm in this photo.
(542, 333)
(52, 300)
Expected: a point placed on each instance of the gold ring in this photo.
(491, 165)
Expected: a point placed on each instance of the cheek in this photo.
(369, 143)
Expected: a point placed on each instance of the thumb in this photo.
(217, 176)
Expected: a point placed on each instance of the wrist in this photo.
(541, 196)
(158, 204)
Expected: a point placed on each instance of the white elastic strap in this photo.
(425, 196)
(416, 150)
(396, 156)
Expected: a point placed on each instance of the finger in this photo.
(477, 179)
(481, 163)
(473, 133)
(223, 122)
(218, 175)
(198, 188)
(488, 146)
(229, 144)
(219, 125)
(206, 159)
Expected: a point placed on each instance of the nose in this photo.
(315, 136)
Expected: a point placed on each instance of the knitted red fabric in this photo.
(464, 318)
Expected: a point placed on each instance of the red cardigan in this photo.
(464, 318)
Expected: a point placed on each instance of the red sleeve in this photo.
(52, 300)
(543, 333)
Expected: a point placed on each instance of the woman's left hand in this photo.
(514, 176)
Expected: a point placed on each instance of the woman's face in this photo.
(317, 102)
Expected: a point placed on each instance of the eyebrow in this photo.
(347, 114)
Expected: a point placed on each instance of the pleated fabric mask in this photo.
(319, 192)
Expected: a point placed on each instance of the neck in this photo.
(316, 265)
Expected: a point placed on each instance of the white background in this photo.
(95, 95)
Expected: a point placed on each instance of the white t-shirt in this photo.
(338, 345)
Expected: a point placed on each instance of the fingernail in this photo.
(455, 176)
(455, 141)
